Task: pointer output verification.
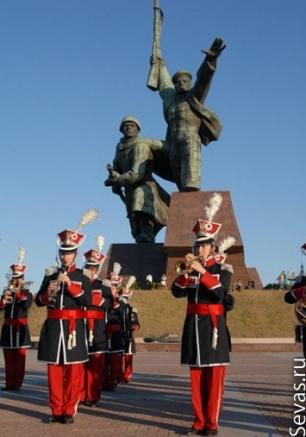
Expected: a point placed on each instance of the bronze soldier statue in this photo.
(131, 178)
(189, 122)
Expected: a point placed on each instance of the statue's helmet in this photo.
(131, 119)
(181, 73)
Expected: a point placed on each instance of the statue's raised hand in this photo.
(215, 49)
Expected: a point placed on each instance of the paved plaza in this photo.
(258, 400)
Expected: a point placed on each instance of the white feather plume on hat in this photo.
(116, 268)
(130, 282)
(226, 243)
(214, 205)
(21, 255)
(100, 242)
(89, 216)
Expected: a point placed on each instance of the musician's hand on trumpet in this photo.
(53, 288)
(191, 263)
(63, 277)
(7, 296)
(197, 266)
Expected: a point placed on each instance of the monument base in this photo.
(156, 258)
(136, 260)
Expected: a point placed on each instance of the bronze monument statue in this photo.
(189, 122)
(131, 178)
(178, 158)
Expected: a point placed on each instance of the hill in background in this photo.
(257, 313)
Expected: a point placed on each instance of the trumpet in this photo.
(57, 283)
(183, 267)
(16, 284)
(13, 286)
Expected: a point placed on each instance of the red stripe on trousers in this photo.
(14, 367)
(65, 383)
(207, 386)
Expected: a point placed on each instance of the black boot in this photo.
(68, 419)
(54, 419)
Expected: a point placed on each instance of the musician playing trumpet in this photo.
(205, 341)
(15, 335)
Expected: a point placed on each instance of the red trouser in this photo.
(113, 370)
(65, 384)
(207, 385)
(93, 375)
(127, 367)
(14, 367)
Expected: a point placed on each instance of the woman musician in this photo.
(205, 343)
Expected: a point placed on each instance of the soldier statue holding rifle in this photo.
(189, 122)
(178, 158)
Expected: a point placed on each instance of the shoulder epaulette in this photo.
(86, 272)
(227, 267)
(51, 270)
(106, 283)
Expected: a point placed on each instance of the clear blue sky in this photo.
(70, 70)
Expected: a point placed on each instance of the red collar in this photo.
(71, 268)
(210, 261)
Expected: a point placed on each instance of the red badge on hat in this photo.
(18, 269)
(205, 230)
(70, 240)
(94, 257)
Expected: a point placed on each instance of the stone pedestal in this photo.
(136, 260)
(185, 209)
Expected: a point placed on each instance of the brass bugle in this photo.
(181, 267)
(16, 284)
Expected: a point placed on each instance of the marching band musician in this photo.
(131, 324)
(297, 295)
(101, 301)
(65, 291)
(114, 330)
(15, 335)
(205, 342)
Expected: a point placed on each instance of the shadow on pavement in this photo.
(160, 401)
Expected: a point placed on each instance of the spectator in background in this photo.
(281, 279)
(250, 284)
(163, 282)
(238, 285)
(149, 282)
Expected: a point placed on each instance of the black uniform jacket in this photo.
(130, 324)
(53, 342)
(115, 327)
(197, 340)
(16, 335)
(297, 292)
(97, 339)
